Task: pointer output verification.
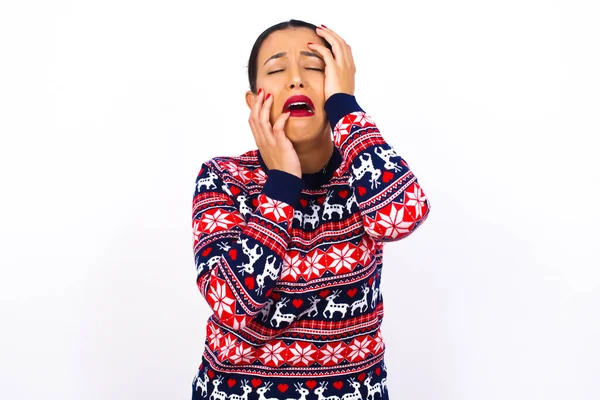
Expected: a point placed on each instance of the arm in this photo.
(239, 260)
(389, 196)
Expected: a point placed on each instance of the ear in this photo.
(249, 98)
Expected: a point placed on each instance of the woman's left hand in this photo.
(339, 66)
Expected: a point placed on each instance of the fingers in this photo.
(254, 119)
(324, 52)
(264, 120)
(278, 131)
(341, 50)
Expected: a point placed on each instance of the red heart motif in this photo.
(343, 194)
(235, 190)
(362, 190)
(304, 202)
(206, 252)
(378, 371)
(352, 292)
(276, 296)
(297, 303)
(282, 387)
(362, 377)
(387, 176)
(338, 385)
(256, 382)
(211, 374)
(255, 202)
(233, 254)
(249, 281)
(321, 200)
(231, 382)
(311, 384)
(324, 293)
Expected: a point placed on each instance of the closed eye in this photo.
(280, 70)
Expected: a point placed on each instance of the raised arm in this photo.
(389, 196)
(238, 260)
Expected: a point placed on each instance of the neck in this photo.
(314, 155)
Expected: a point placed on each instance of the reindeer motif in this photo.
(278, 316)
(386, 155)
(264, 312)
(375, 291)
(269, 270)
(263, 390)
(211, 263)
(358, 304)
(383, 384)
(351, 200)
(314, 300)
(321, 389)
(253, 254)
(224, 246)
(202, 384)
(329, 209)
(216, 393)
(356, 394)
(313, 218)
(371, 390)
(244, 209)
(366, 165)
(298, 215)
(303, 392)
(332, 307)
(246, 388)
(209, 181)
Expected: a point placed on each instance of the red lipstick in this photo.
(299, 106)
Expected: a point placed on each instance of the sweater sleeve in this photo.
(390, 199)
(238, 260)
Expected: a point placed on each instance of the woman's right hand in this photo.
(275, 148)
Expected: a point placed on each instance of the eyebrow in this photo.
(283, 54)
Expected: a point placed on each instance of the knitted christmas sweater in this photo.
(291, 267)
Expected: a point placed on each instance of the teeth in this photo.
(300, 103)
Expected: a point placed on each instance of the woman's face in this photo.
(286, 67)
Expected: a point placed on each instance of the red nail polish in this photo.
(259, 91)
(310, 42)
(269, 95)
(323, 26)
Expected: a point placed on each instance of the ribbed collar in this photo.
(317, 179)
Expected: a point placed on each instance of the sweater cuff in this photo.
(283, 186)
(338, 105)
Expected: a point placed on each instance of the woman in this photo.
(288, 238)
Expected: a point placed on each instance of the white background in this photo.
(108, 108)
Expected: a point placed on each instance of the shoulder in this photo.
(244, 169)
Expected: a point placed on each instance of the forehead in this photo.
(290, 40)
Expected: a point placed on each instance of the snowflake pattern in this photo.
(221, 299)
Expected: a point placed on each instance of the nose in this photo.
(296, 80)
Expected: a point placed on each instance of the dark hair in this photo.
(292, 23)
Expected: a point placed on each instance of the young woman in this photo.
(288, 238)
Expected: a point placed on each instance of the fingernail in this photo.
(323, 26)
(259, 91)
(269, 95)
(310, 42)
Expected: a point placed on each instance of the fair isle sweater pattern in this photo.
(291, 268)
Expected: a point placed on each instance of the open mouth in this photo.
(299, 106)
